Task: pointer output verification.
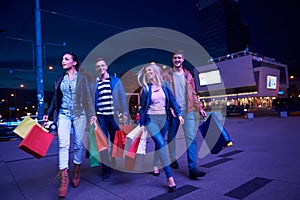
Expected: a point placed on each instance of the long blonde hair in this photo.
(143, 80)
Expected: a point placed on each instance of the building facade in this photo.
(221, 29)
(243, 78)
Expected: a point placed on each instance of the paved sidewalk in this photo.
(262, 164)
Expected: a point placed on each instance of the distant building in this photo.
(243, 78)
(221, 30)
(294, 89)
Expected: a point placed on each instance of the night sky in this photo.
(82, 25)
(274, 29)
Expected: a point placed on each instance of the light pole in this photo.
(53, 44)
(32, 43)
(39, 61)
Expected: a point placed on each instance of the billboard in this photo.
(271, 82)
(209, 78)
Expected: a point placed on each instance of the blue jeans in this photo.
(109, 127)
(189, 134)
(157, 126)
(66, 122)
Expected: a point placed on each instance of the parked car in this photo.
(235, 110)
(289, 105)
(7, 126)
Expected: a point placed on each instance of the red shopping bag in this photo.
(134, 147)
(130, 155)
(37, 142)
(118, 145)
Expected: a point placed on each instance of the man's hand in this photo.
(93, 120)
(125, 118)
(202, 112)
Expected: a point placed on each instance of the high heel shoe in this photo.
(172, 188)
(156, 171)
(171, 181)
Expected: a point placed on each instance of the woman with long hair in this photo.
(157, 100)
(71, 106)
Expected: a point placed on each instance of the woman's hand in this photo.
(181, 120)
(45, 118)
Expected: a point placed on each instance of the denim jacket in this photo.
(83, 100)
(119, 95)
(146, 101)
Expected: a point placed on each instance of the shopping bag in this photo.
(93, 148)
(143, 143)
(37, 141)
(138, 138)
(119, 144)
(129, 164)
(134, 146)
(100, 139)
(214, 134)
(24, 127)
(138, 147)
(126, 128)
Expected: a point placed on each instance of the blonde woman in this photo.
(157, 99)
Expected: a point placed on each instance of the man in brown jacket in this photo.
(183, 87)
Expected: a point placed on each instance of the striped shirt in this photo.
(105, 99)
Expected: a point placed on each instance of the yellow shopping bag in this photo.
(24, 127)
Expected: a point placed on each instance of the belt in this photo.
(62, 108)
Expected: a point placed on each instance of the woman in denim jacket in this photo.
(72, 103)
(157, 99)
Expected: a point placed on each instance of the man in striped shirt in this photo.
(110, 101)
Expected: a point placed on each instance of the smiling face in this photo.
(68, 62)
(150, 74)
(177, 60)
(101, 67)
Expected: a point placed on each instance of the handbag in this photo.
(24, 127)
(214, 134)
(37, 141)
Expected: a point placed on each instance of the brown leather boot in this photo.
(64, 183)
(76, 175)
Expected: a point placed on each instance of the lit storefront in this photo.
(243, 79)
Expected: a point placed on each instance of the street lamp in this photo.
(53, 44)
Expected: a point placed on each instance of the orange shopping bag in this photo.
(100, 139)
(126, 128)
